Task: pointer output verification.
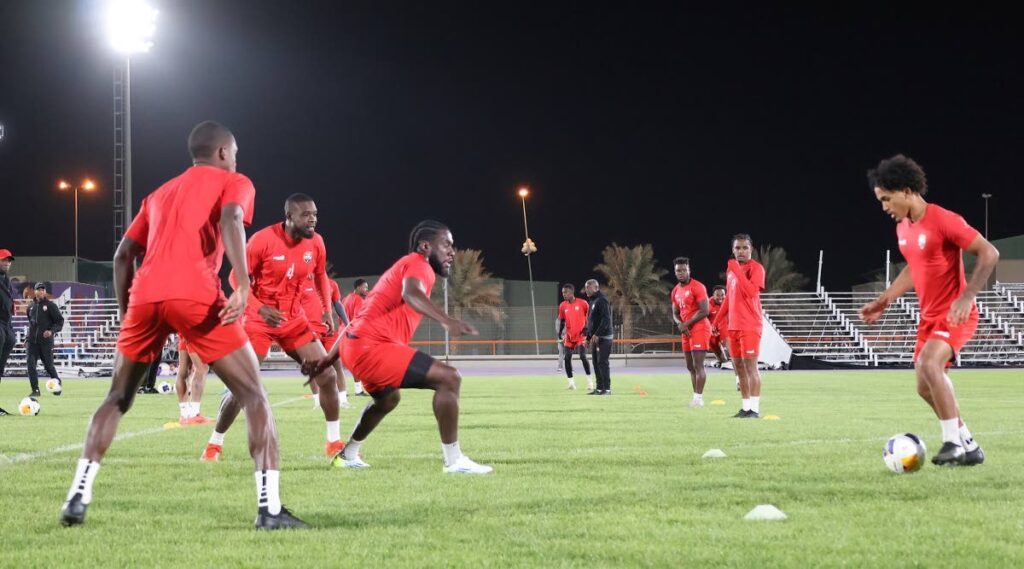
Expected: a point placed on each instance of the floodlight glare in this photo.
(130, 25)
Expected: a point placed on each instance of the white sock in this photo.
(195, 408)
(755, 404)
(451, 452)
(333, 431)
(746, 404)
(185, 409)
(698, 397)
(84, 476)
(950, 430)
(268, 493)
(316, 400)
(572, 382)
(217, 438)
(968, 440)
(351, 449)
(342, 397)
(359, 387)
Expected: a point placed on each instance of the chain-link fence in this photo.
(513, 333)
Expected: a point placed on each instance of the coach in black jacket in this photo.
(599, 336)
(44, 321)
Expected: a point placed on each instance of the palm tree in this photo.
(635, 281)
(780, 272)
(471, 288)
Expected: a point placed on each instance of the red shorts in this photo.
(698, 340)
(939, 329)
(291, 334)
(744, 343)
(380, 365)
(328, 341)
(573, 343)
(182, 343)
(146, 326)
(715, 343)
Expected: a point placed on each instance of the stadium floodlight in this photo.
(530, 248)
(130, 25)
(87, 185)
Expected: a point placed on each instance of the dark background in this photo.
(631, 123)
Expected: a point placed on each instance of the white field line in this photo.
(6, 460)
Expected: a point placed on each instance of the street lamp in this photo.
(130, 28)
(985, 197)
(529, 248)
(86, 186)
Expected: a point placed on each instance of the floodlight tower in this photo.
(130, 27)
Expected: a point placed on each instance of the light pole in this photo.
(130, 28)
(985, 197)
(529, 248)
(87, 186)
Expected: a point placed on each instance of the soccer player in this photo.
(353, 302)
(280, 259)
(190, 384)
(184, 228)
(312, 307)
(714, 306)
(740, 315)
(572, 319)
(932, 240)
(376, 347)
(690, 313)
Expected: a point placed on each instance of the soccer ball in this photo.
(53, 386)
(28, 406)
(904, 453)
(164, 387)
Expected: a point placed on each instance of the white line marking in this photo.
(6, 460)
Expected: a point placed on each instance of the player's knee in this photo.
(121, 398)
(388, 402)
(327, 377)
(452, 379)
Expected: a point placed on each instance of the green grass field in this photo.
(580, 481)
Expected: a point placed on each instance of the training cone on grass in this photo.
(639, 390)
(172, 425)
(714, 453)
(770, 418)
(718, 402)
(765, 512)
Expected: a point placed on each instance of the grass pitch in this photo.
(580, 481)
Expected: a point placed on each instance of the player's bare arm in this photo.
(872, 311)
(232, 229)
(339, 309)
(124, 270)
(415, 295)
(987, 256)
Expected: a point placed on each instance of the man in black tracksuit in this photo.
(6, 311)
(44, 321)
(599, 336)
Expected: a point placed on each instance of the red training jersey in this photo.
(385, 317)
(575, 316)
(178, 226)
(686, 300)
(280, 266)
(742, 306)
(312, 305)
(933, 248)
(352, 303)
(713, 309)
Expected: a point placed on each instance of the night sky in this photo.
(631, 123)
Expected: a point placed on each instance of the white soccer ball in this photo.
(164, 387)
(53, 386)
(29, 406)
(904, 453)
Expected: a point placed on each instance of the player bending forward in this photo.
(179, 229)
(932, 240)
(375, 347)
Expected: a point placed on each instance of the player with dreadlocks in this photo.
(375, 347)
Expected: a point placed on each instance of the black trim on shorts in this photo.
(416, 375)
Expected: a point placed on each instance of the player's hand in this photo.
(734, 265)
(313, 367)
(271, 315)
(872, 311)
(960, 310)
(47, 333)
(684, 328)
(715, 331)
(332, 325)
(235, 307)
(458, 328)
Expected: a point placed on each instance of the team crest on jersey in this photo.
(307, 256)
(921, 240)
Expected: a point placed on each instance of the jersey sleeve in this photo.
(419, 271)
(757, 276)
(957, 231)
(138, 231)
(561, 310)
(701, 293)
(335, 291)
(254, 255)
(672, 297)
(239, 190)
(320, 270)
